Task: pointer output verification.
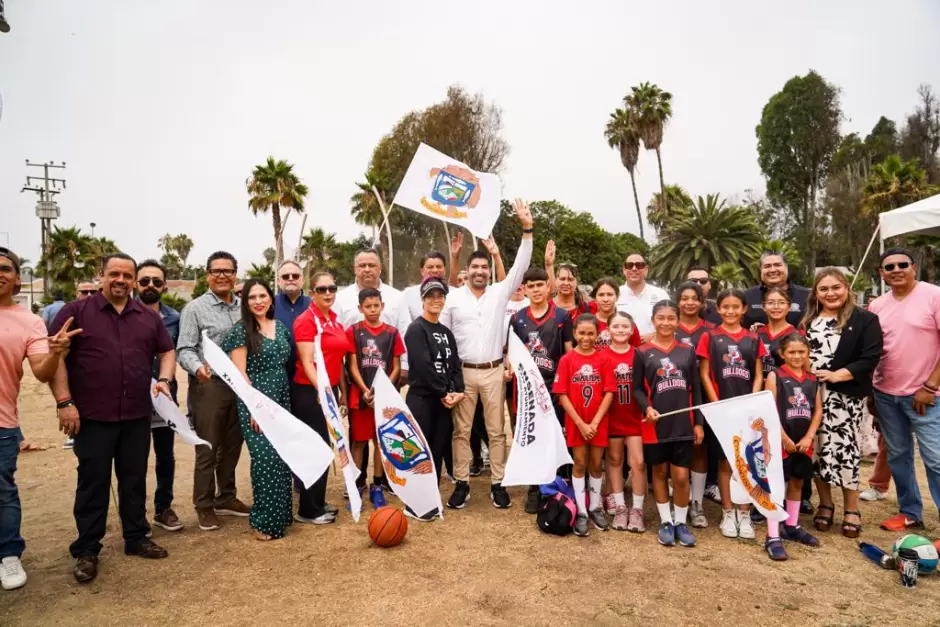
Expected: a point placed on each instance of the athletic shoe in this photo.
(902, 522)
(325, 518)
(697, 515)
(745, 526)
(331, 509)
(208, 521)
(621, 519)
(168, 520)
(713, 493)
(806, 507)
(581, 525)
(377, 496)
(12, 575)
(872, 494)
(729, 524)
(429, 517)
(459, 497)
(599, 519)
(476, 468)
(667, 534)
(532, 500)
(500, 496)
(775, 549)
(684, 536)
(610, 506)
(69, 443)
(796, 533)
(233, 508)
(635, 522)
(756, 516)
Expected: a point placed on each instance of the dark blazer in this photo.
(859, 352)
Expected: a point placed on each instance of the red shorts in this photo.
(574, 438)
(625, 423)
(362, 424)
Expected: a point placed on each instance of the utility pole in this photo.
(47, 209)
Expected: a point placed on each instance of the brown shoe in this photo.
(233, 508)
(208, 521)
(148, 550)
(168, 520)
(86, 568)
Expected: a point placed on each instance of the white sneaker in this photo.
(745, 526)
(697, 516)
(871, 494)
(729, 524)
(12, 575)
(712, 493)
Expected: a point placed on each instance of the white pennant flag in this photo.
(167, 409)
(405, 452)
(538, 447)
(304, 452)
(334, 423)
(441, 187)
(748, 428)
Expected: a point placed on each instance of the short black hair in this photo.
(434, 254)
(124, 256)
(897, 250)
(478, 254)
(221, 254)
(697, 268)
(367, 251)
(369, 293)
(534, 274)
(58, 295)
(151, 263)
(690, 285)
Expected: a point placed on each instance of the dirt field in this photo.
(479, 566)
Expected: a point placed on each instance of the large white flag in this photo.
(538, 447)
(167, 409)
(334, 424)
(405, 452)
(748, 428)
(444, 188)
(304, 452)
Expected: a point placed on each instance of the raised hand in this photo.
(456, 244)
(550, 253)
(61, 341)
(523, 213)
(491, 246)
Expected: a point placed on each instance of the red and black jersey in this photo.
(375, 348)
(694, 335)
(667, 380)
(796, 402)
(623, 408)
(603, 334)
(734, 359)
(584, 379)
(545, 337)
(772, 358)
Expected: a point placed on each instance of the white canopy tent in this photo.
(920, 218)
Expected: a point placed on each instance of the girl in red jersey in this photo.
(666, 381)
(799, 403)
(730, 364)
(585, 386)
(776, 306)
(624, 430)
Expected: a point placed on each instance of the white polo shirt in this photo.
(395, 313)
(640, 306)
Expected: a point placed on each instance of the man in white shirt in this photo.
(476, 314)
(637, 297)
(433, 264)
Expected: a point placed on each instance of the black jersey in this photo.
(375, 348)
(694, 335)
(772, 358)
(796, 401)
(667, 380)
(545, 337)
(735, 360)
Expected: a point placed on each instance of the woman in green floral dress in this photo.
(260, 347)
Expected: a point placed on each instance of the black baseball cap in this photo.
(9, 254)
(896, 251)
(432, 283)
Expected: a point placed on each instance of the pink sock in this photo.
(793, 513)
(773, 528)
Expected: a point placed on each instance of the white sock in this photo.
(579, 496)
(618, 499)
(682, 514)
(698, 486)
(594, 485)
(664, 514)
(638, 500)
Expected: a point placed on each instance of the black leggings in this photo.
(436, 424)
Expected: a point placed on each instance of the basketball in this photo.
(388, 526)
(926, 551)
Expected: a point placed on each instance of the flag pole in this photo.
(865, 256)
(685, 409)
(388, 233)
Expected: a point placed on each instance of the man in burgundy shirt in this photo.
(103, 397)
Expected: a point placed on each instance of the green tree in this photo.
(882, 142)
(920, 138)
(851, 227)
(271, 187)
(173, 301)
(623, 134)
(201, 286)
(269, 256)
(663, 210)
(365, 206)
(176, 249)
(264, 272)
(73, 259)
(894, 183)
(101, 247)
(653, 108)
(796, 139)
(727, 276)
(342, 260)
(318, 249)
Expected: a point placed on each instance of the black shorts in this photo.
(678, 453)
(797, 466)
(713, 445)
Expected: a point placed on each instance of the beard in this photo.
(150, 296)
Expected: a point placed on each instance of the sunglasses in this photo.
(323, 289)
(222, 272)
(290, 276)
(630, 265)
(704, 281)
(901, 265)
(146, 281)
(89, 292)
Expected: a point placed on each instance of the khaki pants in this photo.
(215, 414)
(489, 387)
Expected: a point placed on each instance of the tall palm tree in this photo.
(183, 246)
(365, 206)
(894, 183)
(271, 187)
(73, 258)
(708, 235)
(653, 107)
(319, 248)
(622, 133)
(663, 210)
(101, 247)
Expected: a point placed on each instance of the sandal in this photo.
(849, 529)
(824, 523)
(262, 537)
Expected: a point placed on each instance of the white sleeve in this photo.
(446, 317)
(403, 322)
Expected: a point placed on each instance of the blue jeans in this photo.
(898, 420)
(11, 542)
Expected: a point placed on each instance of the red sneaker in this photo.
(902, 522)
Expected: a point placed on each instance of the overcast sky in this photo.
(161, 108)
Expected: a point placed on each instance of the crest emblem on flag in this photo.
(403, 446)
(334, 432)
(752, 462)
(455, 190)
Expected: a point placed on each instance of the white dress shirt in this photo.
(479, 324)
(412, 297)
(640, 306)
(395, 312)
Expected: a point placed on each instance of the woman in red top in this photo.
(312, 507)
(603, 306)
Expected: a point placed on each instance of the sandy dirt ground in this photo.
(479, 566)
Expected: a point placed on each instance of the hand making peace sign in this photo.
(61, 341)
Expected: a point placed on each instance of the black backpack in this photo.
(557, 514)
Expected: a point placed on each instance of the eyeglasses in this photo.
(901, 265)
(704, 281)
(290, 276)
(630, 265)
(323, 289)
(146, 281)
(222, 272)
(86, 292)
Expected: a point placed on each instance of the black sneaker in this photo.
(476, 468)
(806, 507)
(500, 496)
(461, 494)
(532, 500)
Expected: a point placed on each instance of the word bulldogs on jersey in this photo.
(539, 353)
(734, 365)
(671, 376)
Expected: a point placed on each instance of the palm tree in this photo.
(622, 133)
(73, 258)
(708, 235)
(653, 107)
(319, 248)
(272, 186)
(894, 183)
(269, 256)
(365, 206)
(264, 272)
(726, 276)
(183, 246)
(664, 210)
(101, 247)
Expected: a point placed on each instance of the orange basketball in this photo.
(387, 526)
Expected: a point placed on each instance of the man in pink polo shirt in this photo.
(907, 382)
